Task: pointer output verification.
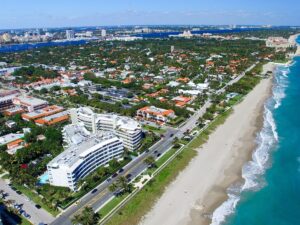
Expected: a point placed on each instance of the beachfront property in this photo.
(158, 115)
(125, 128)
(30, 104)
(279, 43)
(6, 99)
(84, 153)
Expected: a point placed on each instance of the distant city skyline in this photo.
(33, 13)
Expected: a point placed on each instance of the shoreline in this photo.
(193, 196)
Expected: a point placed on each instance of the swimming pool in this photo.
(44, 179)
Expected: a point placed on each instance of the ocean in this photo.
(271, 192)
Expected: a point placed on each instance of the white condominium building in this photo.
(127, 129)
(86, 116)
(84, 153)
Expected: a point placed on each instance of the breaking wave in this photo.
(266, 139)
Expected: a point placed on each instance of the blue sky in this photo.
(61, 13)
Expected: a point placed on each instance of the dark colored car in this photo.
(38, 206)
(128, 176)
(159, 154)
(121, 170)
(94, 191)
(171, 135)
(114, 175)
(19, 192)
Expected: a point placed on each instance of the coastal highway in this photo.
(137, 166)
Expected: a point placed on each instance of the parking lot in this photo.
(25, 206)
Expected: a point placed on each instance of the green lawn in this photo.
(37, 199)
(154, 129)
(25, 221)
(111, 205)
(165, 157)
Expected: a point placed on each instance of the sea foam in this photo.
(266, 141)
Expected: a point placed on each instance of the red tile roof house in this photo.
(181, 101)
(158, 115)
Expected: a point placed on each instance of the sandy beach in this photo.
(201, 187)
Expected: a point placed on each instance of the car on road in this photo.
(26, 215)
(171, 135)
(121, 170)
(94, 191)
(114, 175)
(155, 152)
(19, 192)
(38, 206)
(12, 187)
(159, 154)
(128, 176)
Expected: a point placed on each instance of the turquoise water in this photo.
(44, 179)
(271, 193)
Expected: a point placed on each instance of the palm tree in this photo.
(86, 217)
(76, 219)
(150, 161)
(113, 187)
(124, 185)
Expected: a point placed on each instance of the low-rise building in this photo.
(13, 111)
(6, 99)
(53, 119)
(12, 141)
(29, 103)
(155, 114)
(181, 101)
(44, 112)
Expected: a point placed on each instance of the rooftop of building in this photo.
(80, 147)
(5, 93)
(157, 111)
(49, 110)
(10, 138)
(121, 122)
(30, 101)
(54, 118)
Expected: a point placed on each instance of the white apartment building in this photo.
(84, 153)
(127, 129)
